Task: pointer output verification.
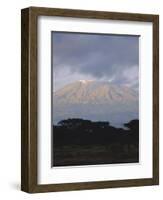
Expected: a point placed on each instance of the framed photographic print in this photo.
(90, 99)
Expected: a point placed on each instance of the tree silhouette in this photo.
(78, 134)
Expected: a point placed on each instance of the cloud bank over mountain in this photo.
(111, 58)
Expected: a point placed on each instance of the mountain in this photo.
(97, 101)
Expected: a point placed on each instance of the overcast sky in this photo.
(113, 58)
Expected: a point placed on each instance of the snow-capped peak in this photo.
(95, 100)
(85, 81)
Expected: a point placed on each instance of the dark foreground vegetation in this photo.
(83, 142)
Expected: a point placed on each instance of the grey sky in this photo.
(113, 58)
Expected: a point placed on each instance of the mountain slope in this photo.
(97, 101)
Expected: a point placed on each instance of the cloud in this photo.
(64, 76)
(110, 57)
(129, 77)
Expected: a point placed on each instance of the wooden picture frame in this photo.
(29, 165)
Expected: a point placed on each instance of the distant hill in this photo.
(96, 101)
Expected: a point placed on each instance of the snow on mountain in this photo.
(96, 101)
